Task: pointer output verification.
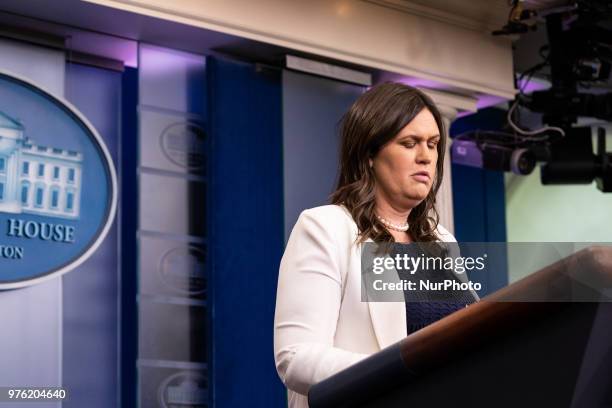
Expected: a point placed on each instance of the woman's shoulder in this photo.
(332, 219)
(331, 213)
(444, 234)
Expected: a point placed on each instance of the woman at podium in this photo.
(391, 167)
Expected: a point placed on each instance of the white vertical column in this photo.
(444, 199)
(31, 318)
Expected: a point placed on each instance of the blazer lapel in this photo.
(388, 318)
(388, 321)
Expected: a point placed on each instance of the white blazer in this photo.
(321, 326)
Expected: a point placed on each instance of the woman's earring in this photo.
(371, 163)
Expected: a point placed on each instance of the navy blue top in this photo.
(426, 307)
(421, 314)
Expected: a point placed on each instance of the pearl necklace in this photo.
(390, 225)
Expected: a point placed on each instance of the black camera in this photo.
(579, 58)
(492, 151)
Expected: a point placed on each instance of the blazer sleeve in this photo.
(308, 302)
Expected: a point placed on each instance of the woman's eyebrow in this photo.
(417, 137)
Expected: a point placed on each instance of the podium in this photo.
(504, 351)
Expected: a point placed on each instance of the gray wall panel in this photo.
(91, 315)
(312, 109)
(31, 353)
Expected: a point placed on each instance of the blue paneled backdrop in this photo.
(246, 215)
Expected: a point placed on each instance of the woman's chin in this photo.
(415, 198)
(418, 193)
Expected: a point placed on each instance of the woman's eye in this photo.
(408, 145)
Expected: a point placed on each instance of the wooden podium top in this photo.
(585, 276)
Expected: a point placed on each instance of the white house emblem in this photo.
(37, 179)
(58, 188)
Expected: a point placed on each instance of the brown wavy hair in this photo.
(372, 121)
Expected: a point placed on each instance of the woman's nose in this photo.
(424, 154)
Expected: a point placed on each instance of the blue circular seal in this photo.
(58, 187)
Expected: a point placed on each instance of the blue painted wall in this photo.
(246, 216)
(479, 195)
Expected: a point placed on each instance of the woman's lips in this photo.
(422, 177)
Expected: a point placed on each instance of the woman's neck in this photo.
(401, 237)
(395, 215)
(391, 213)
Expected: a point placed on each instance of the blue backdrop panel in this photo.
(246, 207)
(479, 202)
(127, 217)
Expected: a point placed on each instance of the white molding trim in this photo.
(328, 70)
(394, 41)
(447, 17)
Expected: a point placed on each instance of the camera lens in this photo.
(522, 161)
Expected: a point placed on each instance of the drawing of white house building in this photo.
(187, 393)
(37, 179)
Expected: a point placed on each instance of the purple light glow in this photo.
(117, 49)
(165, 61)
(531, 85)
(483, 100)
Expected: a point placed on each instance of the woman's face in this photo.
(405, 167)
